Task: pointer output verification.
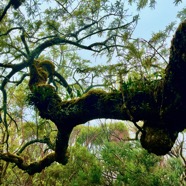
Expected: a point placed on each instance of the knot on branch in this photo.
(39, 72)
(158, 140)
(49, 104)
(43, 96)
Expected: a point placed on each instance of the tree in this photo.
(35, 48)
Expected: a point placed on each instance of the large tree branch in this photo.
(140, 102)
(56, 41)
(174, 95)
(31, 168)
(92, 105)
(162, 134)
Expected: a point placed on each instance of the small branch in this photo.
(45, 140)
(64, 83)
(21, 79)
(15, 68)
(84, 28)
(6, 65)
(63, 7)
(24, 42)
(56, 41)
(143, 40)
(103, 30)
(13, 120)
(17, 49)
(15, 28)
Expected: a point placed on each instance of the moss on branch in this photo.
(31, 168)
(160, 135)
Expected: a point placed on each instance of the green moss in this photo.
(39, 72)
(40, 165)
(46, 99)
(47, 66)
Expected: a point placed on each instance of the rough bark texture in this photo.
(160, 134)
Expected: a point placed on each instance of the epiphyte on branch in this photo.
(40, 71)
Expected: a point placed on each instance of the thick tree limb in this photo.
(162, 133)
(145, 103)
(174, 94)
(31, 168)
(94, 104)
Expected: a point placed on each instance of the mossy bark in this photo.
(161, 133)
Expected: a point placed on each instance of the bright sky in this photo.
(154, 20)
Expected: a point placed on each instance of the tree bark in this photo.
(160, 135)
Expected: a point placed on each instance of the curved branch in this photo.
(31, 168)
(11, 29)
(56, 41)
(92, 105)
(45, 140)
(15, 68)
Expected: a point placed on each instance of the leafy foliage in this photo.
(114, 163)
